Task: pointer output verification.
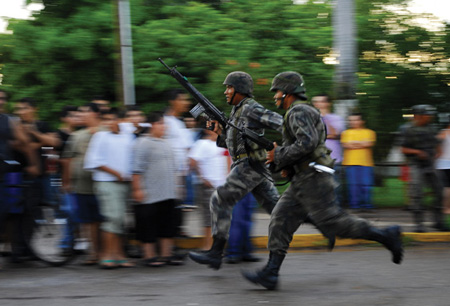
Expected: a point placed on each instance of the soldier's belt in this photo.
(301, 167)
(240, 156)
(253, 155)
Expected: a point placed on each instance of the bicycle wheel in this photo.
(50, 239)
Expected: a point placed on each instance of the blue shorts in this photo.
(13, 196)
(88, 208)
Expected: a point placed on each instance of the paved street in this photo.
(348, 276)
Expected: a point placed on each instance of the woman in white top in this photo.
(443, 166)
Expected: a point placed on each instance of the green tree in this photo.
(64, 56)
(207, 44)
(400, 64)
(68, 53)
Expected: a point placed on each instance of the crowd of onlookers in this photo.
(103, 157)
(107, 158)
(427, 154)
(104, 163)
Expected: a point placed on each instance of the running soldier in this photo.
(248, 172)
(311, 194)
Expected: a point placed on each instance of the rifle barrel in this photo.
(165, 65)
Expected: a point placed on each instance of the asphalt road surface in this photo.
(347, 276)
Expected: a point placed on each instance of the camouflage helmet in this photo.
(423, 109)
(289, 82)
(241, 81)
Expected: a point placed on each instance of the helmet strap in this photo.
(232, 98)
(282, 101)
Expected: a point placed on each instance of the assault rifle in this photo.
(206, 109)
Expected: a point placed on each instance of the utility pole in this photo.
(345, 48)
(127, 91)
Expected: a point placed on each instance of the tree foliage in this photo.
(69, 52)
(207, 44)
(64, 56)
(401, 64)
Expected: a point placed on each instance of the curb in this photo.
(317, 240)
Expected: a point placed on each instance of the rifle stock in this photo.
(212, 112)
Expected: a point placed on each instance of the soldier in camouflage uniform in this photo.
(419, 144)
(248, 172)
(311, 193)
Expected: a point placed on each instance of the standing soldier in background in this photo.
(311, 193)
(248, 172)
(419, 144)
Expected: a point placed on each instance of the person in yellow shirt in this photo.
(357, 142)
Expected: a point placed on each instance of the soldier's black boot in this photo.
(391, 238)
(212, 257)
(267, 276)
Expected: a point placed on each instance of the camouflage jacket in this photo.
(250, 114)
(420, 138)
(303, 132)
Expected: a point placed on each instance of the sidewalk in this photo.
(308, 236)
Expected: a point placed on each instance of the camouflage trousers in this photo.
(311, 195)
(419, 178)
(241, 180)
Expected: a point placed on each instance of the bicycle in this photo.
(46, 227)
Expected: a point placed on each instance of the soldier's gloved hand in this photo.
(214, 126)
(285, 173)
(270, 156)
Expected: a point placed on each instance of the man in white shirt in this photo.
(180, 139)
(109, 156)
(178, 135)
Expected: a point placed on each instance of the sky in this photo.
(439, 8)
(18, 9)
(14, 9)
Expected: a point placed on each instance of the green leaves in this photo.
(69, 52)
